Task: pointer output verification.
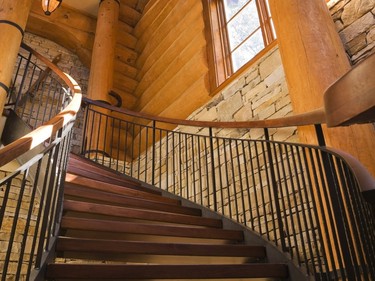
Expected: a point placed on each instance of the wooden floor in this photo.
(114, 228)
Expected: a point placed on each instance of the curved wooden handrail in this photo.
(351, 99)
(304, 119)
(47, 130)
(365, 180)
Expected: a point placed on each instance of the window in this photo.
(239, 30)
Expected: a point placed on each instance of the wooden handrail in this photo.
(48, 129)
(365, 180)
(351, 99)
(304, 119)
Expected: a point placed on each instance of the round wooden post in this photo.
(102, 62)
(13, 18)
(102, 68)
(314, 57)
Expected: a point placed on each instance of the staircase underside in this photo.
(116, 228)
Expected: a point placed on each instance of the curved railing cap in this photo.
(48, 129)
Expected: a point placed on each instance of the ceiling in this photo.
(87, 6)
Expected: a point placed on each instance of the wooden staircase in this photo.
(115, 228)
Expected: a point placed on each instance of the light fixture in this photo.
(50, 5)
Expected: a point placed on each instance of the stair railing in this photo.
(33, 167)
(305, 199)
(36, 93)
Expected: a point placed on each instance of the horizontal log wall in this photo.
(172, 63)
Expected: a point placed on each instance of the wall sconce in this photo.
(50, 5)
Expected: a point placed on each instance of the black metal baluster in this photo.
(213, 170)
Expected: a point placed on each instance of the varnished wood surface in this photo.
(146, 233)
(118, 190)
(87, 271)
(83, 167)
(149, 229)
(303, 119)
(155, 248)
(138, 203)
(147, 215)
(351, 99)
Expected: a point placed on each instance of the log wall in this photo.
(172, 63)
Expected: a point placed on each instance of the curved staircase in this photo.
(116, 228)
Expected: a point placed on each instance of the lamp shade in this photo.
(50, 5)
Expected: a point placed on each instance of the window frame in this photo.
(218, 49)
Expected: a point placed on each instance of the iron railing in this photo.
(31, 193)
(36, 94)
(303, 198)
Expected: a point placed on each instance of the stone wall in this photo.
(355, 23)
(260, 93)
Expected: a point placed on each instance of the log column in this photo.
(103, 54)
(102, 69)
(313, 58)
(13, 18)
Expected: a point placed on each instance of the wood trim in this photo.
(216, 43)
(265, 22)
(48, 129)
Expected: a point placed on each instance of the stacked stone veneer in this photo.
(355, 23)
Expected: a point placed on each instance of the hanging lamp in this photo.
(50, 5)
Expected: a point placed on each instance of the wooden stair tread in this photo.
(80, 166)
(115, 271)
(117, 211)
(72, 180)
(124, 224)
(155, 248)
(149, 229)
(125, 201)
